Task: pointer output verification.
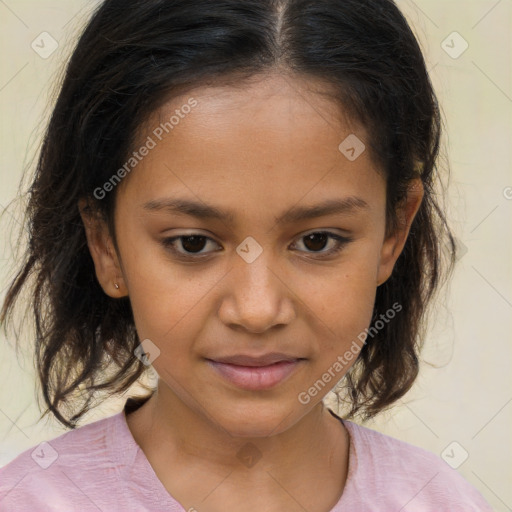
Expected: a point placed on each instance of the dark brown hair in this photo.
(132, 57)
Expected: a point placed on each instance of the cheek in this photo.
(165, 297)
(343, 306)
(166, 305)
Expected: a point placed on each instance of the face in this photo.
(256, 290)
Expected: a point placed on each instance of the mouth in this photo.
(256, 373)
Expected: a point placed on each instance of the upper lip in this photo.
(262, 360)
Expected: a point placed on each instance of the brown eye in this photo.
(193, 243)
(316, 242)
(189, 245)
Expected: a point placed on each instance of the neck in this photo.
(313, 450)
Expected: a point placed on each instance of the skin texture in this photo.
(258, 151)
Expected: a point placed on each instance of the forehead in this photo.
(273, 141)
(271, 103)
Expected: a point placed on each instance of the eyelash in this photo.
(168, 243)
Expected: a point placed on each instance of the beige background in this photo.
(468, 397)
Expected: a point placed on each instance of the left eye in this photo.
(315, 243)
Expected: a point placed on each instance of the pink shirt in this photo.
(100, 467)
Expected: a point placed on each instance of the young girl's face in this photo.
(263, 167)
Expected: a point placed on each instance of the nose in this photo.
(257, 296)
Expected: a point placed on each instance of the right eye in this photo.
(188, 246)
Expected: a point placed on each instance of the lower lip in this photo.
(255, 378)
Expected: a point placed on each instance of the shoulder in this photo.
(397, 474)
(65, 470)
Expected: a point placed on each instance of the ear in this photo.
(395, 242)
(104, 255)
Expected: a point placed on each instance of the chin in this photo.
(258, 421)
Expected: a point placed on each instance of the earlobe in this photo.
(393, 245)
(103, 253)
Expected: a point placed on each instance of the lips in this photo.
(263, 360)
(256, 373)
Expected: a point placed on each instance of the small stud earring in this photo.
(117, 286)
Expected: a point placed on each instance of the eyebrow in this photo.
(297, 213)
